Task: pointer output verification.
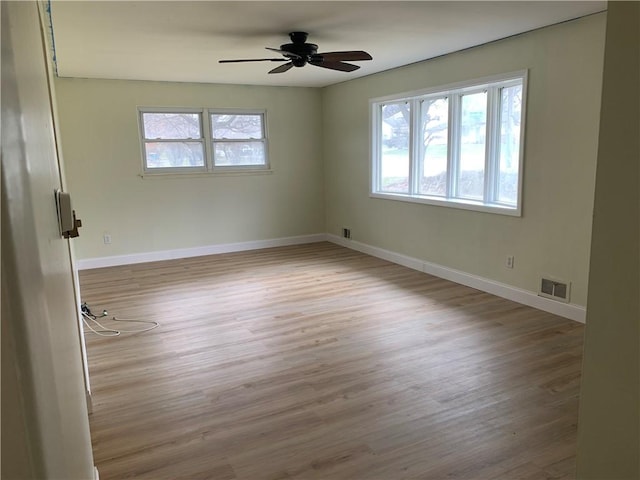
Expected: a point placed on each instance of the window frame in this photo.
(263, 139)
(144, 140)
(207, 141)
(453, 92)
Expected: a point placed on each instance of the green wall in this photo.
(101, 149)
(553, 235)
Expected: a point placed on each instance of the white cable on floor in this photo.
(112, 332)
(105, 332)
(148, 322)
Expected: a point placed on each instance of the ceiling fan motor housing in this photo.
(302, 52)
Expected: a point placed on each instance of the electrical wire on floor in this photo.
(90, 318)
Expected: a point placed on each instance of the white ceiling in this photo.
(183, 41)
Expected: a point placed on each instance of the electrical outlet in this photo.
(106, 238)
(509, 261)
(346, 233)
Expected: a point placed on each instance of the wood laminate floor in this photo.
(318, 362)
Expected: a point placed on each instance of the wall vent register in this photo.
(555, 289)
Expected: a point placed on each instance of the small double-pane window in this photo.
(173, 140)
(205, 140)
(238, 140)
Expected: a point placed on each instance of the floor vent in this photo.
(555, 289)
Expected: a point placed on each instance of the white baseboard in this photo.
(116, 260)
(525, 297)
(519, 295)
(96, 474)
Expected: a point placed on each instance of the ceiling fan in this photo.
(298, 53)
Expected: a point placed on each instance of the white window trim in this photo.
(143, 141)
(451, 90)
(264, 140)
(207, 139)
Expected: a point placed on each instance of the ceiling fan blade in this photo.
(342, 66)
(282, 68)
(254, 60)
(341, 56)
(284, 52)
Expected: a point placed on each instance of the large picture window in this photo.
(457, 145)
(202, 140)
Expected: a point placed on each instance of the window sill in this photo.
(451, 203)
(223, 173)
